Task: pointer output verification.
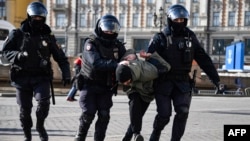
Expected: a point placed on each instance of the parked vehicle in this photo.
(5, 28)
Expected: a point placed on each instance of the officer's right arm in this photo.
(154, 44)
(93, 58)
(11, 47)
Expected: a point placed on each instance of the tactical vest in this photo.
(106, 78)
(178, 51)
(38, 49)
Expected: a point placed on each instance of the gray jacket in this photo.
(143, 74)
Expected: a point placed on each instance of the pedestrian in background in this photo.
(77, 69)
(102, 52)
(137, 77)
(178, 45)
(29, 49)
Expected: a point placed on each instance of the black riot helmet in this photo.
(36, 9)
(108, 23)
(175, 12)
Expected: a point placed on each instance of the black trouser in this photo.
(179, 94)
(137, 109)
(26, 89)
(96, 99)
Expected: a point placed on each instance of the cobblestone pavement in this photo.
(205, 123)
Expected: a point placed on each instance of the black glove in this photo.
(66, 81)
(22, 56)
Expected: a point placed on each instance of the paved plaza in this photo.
(207, 116)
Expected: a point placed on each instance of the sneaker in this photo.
(138, 137)
(71, 99)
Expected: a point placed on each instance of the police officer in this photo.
(102, 52)
(178, 45)
(29, 49)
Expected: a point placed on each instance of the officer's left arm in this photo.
(60, 57)
(100, 63)
(204, 61)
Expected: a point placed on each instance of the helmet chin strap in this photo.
(109, 36)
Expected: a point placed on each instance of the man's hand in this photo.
(144, 54)
(66, 81)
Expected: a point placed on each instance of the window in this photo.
(122, 19)
(109, 1)
(216, 19)
(181, 1)
(135, 20)
(95, 18)
(247, 18)
(231, 19)
(136, 1)
(61, 41)
(150, 1)
(96, 2)
(2, 9)
(60, 1)
(149, 22)
(195, 1)
(219, 46)
(61, 20)
(123, 1)
(83, 1)
(83, 20)
(141, 44)
(2, 12)
(247, 46)
(195, 19)
(168, 1)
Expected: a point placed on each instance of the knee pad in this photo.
(103, 116)
(160, 122)
(42, 109)
(25, 112)
(182, 112)
(86, 118)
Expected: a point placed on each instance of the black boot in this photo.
(155, 136)
(41, 130)
(85, 122)
(127, 137)
(138, 137)
(81, 134)
(129, 134)
(26, 123)
(27, 134)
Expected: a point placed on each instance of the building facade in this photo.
(217, 23)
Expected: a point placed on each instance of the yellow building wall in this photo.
(16, 11)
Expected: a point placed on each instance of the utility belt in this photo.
(82, 81)
(30, 72)
(96, 82)
(182, 77)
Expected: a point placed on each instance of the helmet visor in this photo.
(178, 13)
(37, 9)
(109, 25)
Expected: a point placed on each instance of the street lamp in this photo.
(161, 17)
(161, 12)
(219, 47)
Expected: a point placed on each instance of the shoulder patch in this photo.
(88, 47)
